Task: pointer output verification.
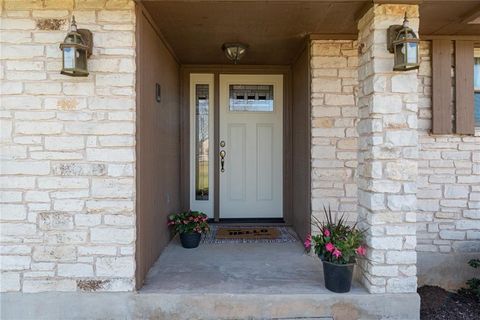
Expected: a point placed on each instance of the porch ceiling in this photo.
(274, 30)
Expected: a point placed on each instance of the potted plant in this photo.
(190, 225)
(338, 245)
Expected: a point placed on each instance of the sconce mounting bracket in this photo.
(88, 38)
(391, 36)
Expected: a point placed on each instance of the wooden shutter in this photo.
(443, 109)
(442, 87)
(464, 104)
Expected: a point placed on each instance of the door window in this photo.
(251, 98)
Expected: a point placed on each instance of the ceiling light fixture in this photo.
(234, 51)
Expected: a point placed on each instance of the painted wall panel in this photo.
(158, 147)
(301, 144)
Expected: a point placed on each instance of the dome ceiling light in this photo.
(234, 51)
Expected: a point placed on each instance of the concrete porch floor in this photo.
(238, 268)
(259, 281)
(221, 281)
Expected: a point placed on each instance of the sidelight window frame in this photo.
(202, 202)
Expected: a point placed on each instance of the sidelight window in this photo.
(201, 141)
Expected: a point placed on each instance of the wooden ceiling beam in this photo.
(361, 12)
(475, 38)
(332, 36)
(474, 14)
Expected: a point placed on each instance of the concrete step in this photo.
(57, 305)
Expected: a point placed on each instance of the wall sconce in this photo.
(76, 48)
(234, 51)
(403, 43)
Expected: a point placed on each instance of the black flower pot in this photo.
(190, 240)
(338, 277)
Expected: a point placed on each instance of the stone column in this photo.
(388, 147)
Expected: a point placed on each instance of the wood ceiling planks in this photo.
(274, 30)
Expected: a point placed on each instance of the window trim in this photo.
(201, 205)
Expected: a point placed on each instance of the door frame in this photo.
(216, 70)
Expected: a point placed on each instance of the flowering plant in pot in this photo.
(338, 245)
(190, 225)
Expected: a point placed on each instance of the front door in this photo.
(251, 146)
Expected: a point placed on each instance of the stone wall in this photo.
(448, 216)
(68, 149)
(448, 182)
(334, 120)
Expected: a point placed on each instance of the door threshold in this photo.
(248, 221)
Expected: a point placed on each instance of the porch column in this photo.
(388, 141)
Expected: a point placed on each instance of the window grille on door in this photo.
(251, 98)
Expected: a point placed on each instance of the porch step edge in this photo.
(128, 305)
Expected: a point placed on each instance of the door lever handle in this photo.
(222, 160)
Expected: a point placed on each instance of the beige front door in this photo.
(251, 146)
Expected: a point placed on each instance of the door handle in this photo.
(222, 160)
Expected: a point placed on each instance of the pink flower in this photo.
(361, 250)
(337, 253)
(170, 223)
(308, 242)
(330, 247)
(326, 233)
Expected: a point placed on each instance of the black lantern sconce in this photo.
(403, 43)
(76, 48)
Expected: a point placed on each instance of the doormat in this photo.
(249, 234)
